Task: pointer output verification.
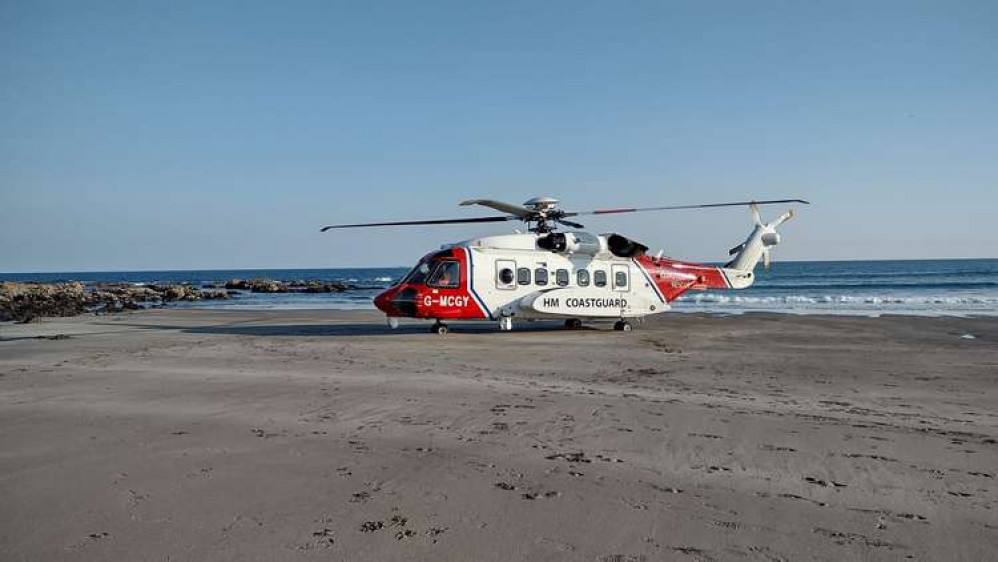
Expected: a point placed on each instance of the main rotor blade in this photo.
(677, 207)
(414, 223)
(570, 223)
(515, 210)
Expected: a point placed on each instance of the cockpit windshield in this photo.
(418, 274)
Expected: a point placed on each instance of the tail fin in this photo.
(756, 247)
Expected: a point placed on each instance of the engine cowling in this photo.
(572, 243)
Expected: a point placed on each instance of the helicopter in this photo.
(545, 274)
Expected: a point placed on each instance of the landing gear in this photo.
(573, 324)
(439, 328)
(506, 323)
(622, 326)
(393, 322)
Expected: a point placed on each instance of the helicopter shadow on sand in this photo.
(358, 329)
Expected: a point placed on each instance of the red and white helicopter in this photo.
(544, 274)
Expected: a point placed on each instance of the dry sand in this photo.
(193, 435)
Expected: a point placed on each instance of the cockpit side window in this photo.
(447, 274)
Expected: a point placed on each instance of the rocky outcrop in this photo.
(265, 285)
(260, 285)
(25, 302)
(237, 285)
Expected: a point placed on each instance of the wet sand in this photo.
(197, 435)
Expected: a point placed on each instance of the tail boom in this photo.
(673, 278)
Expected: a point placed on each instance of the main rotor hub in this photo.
(544, 215)
(541, 204)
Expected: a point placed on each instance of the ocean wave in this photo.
(863, 285)
(849, 273)
(720, 298)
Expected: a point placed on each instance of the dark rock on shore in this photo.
(320, 287)
(260, 285)
(264, 285)
(236, 284)
(26, 302)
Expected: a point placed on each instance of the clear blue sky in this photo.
(162, 135)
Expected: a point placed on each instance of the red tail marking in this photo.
(673, 278)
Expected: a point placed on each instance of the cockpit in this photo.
(440, 271)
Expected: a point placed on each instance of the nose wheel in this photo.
(573, 324)
(623, 326)
(439, 328)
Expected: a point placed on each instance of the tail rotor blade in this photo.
(766, 258)
(782, 218)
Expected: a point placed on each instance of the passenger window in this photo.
(582, 277)
(620, 280)
(506, 276)
(541, 276)
(523, 276)
(561, 277)
(447, 274)
(599, 278)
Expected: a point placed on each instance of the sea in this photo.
(953, 287)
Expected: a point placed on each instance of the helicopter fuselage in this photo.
(535, 276)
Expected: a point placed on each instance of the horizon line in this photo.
(409, 266)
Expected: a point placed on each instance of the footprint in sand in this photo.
(843, 538)
(825, 483)
(777, 448)
(540, 495)
(801, 498)
(433, 532)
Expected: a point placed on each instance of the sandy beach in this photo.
(212, 435)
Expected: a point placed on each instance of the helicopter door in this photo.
(505, 274)
(620, 274)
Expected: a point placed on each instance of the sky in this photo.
(215, 135)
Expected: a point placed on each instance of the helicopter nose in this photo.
(398, 301)
(384, 301)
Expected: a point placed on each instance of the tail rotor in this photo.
(760, 243)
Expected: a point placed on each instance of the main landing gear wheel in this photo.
(573, 323)
(623, 326)
(439, 328)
